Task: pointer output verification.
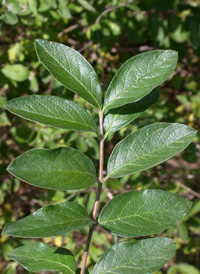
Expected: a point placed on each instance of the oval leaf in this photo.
(52, 111)
(118, 118)
(148, 147)
(38, 257)
(71, 69)
(134, 214)
(184, 268)
(49, 221)
(138, 76)
(62, 168)
(136, 257)
(16, 72)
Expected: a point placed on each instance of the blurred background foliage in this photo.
(107, 33)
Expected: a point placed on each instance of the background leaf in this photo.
(62, 168)
(138, 76)
(16, 72)
(184, 268)
(71, 69)
(86, 5)
(38, 257)
(134, 214)
(52, 111)
(49, 221)
(118, 118)
(63, 9)
(11, 18)
(148, 147)
(136, 257)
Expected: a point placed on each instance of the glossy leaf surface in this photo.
(118, 118)
(49, 221)
(62, 168)
(134, 214)
(147, 147)
(52, 111)
(138, 76)
(41, 257)
(139, 257)
(71, 69)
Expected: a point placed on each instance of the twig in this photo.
(73, 27)
(96, 205)
(87, 45)
(176, 180)
(49, 90)
(196, 194)
(102, 14)
(107, 11)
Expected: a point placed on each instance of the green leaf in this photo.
(38, 257)
(194, 210)
(52, 111)
(86, 5)
(10, 18)
(18, 7)
(139, 257)
(63, 9)
(71, 69)
(187, 269)
(134, 214)
(62, 168)
(16, 72)
(45, 5)
(148, 147)
(182, 231)
(138, 76)
(118, 118)
(49, 221)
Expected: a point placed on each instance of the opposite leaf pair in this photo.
(130, 214)
(132, 257)
(135, 79)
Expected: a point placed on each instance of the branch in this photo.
(96, 205)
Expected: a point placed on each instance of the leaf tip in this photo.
(7, 105)
(5, 230)
(193, 131)
(9, 168)
(38, 41)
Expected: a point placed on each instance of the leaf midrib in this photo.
(49, 225)
(133, 215)
(51, 117)
(50, 171)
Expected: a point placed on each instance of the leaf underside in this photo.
(118, 118)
